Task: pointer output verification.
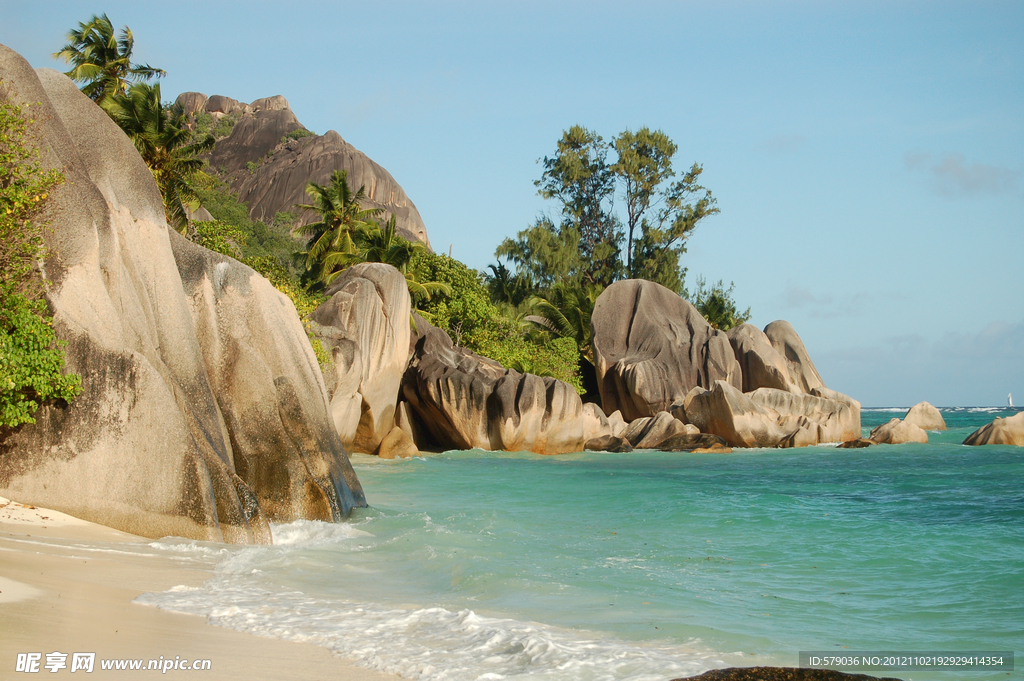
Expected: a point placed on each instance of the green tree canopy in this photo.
(102, 60)
(716, 304)
(331, 242)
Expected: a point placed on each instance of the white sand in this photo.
(59, 593)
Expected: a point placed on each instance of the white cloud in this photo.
(953, 176)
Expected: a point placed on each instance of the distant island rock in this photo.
(284, 163)
(897, 432)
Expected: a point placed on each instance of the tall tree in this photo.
(341, 220)
(579, 177)
(164, 142)
(644, 162)
(102, 60)
(545, 253)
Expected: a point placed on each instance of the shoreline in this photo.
(66, 587)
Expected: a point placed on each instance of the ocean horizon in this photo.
(647, 565)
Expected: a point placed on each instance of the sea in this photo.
(648, 565)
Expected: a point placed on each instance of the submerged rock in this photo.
(897, 432)
(203, 413)
(925, 416)
(1002, 431)
(651, 347)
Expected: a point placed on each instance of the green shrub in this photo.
(474, 322)
(299, 134)
(31, 359)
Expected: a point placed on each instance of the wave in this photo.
(429, 643)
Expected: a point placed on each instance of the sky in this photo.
(867, 157)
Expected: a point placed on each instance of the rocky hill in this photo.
(269, 157)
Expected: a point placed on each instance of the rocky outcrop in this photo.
(897, 432)
(651, 347)
(760, 363)
(364, 325)
(203, 413)
(785, 340)
(268, 388)
(285, 166)
(1002, 431)
(768, 417)
(925, 417)
(650, 431)
(465, 401)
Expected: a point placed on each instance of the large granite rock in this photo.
(768, 417)
(202, 413)
(1002, 431)
(364, 324)
(785, 340)
(651, 347)
(464, 401)
(284, 166)
(925, 416)
(897, 432)
(761, 363)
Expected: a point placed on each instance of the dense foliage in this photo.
(31, 359)
(715, 302)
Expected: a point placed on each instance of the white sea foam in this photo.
(431, 643)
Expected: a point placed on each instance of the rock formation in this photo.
(1002, 431)
(465, 401)
(768, 417)
(760, 362)
(651, 347)
(897, 432)
(365, 326)
(285, 166)
(925, 416)
(788, 344)
(203, 413)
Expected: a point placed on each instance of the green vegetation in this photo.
(31, 359)
(716, 304)
(101, 60)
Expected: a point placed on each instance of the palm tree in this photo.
(162, 139)
(103, 61)
(564, 310)
(383, 244)
(341, 221)
(506, 287)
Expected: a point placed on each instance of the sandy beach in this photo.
(66, 587)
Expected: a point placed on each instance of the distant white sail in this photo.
(1009, 400)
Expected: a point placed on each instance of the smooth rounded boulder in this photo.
(364, 325)
(787, 343)
(760, 362)
(651, 347)
(897, 432)
(925, 417)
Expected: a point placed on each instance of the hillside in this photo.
(268, 157)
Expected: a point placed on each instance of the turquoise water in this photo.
(648, 565)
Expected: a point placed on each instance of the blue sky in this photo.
(867, 157)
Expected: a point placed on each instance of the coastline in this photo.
(65, 586)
